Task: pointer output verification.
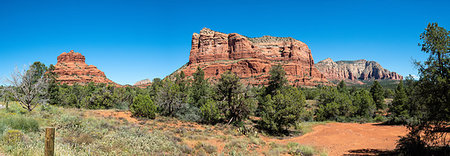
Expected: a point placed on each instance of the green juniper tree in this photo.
(364, 104)
(377, 93)
(277, 79)
(143, 106)
(282, 110)
(236, 101)
(398, 110)
(342, 87)
(431, 93)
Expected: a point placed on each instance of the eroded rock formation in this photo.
(71, 68)
(355, 70)
(251, 58)
(143, 83)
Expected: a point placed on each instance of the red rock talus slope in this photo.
(355, 70)
(71, 68)
(251, 58)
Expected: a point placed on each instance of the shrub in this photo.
(13, 136)
(20, 122)
(282, 110)
(297, 149)
(334, 105)
(210, 112)
(143, 106)
(188, 112)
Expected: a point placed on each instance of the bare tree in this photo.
(4, 96)
(28, 87)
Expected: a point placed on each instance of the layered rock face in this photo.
(143, 83)
(71, 68)
(251, 58)
(355, 70)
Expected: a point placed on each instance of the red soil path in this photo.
(348, 138)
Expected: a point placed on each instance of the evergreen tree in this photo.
(342, 86)
(143, 106)
(285, 108)
(53, 87)
(210, 112)
(170, 98)
(200, 90)
(334, 105)
(432, 90)
(364, 104)
(277, 79)
(398, 110)
(236, 102)
(377, 93)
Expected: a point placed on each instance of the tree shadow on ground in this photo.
(361, 152)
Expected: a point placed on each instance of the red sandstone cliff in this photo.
(355, 70)
(71, 68)
(251, 58)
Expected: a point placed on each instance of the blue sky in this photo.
(132, 40)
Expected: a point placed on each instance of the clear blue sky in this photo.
(132, 40)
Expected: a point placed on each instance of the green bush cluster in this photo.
(143, 106)
(92, 96)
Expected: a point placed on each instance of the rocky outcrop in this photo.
(251, 58)
(71, 68)
(355, 70)
(143, 83)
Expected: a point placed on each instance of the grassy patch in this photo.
(79, 135)
(306, 127)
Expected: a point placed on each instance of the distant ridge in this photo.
(355, 70)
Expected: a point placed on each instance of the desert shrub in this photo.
(186, 149)
(188, 112)
(334, 105)
(297, 149)
(210, 112)
(123, 105)
(143, 106)
(13, 136)
(20, 122)
(282, 110)
(206, 147)
(236, 145)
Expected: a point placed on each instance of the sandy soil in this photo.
(350, 138)
(335, 138)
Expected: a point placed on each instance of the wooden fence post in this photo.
(49, 141)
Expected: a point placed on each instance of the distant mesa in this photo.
(143, 83)
(355, 70)
(71, 68)
(251, 58)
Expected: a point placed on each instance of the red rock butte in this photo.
(251, 58)
(71, 68)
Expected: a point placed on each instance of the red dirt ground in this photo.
(342, 138)
(335, 138)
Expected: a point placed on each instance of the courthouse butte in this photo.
(251, 58)
(71, 68)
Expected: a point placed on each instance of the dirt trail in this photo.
(350, 138)
(335, 138)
